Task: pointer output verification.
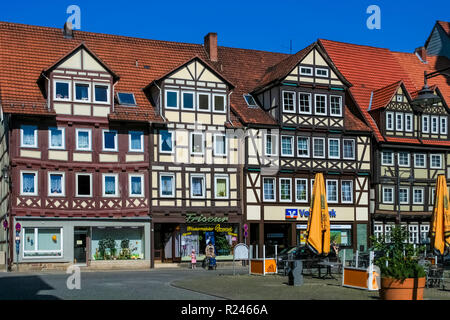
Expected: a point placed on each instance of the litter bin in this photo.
(295, 273)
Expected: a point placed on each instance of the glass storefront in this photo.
(341, 234)
(117, 243)
(42, 242)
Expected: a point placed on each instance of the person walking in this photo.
(193, 259)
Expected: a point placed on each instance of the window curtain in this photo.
(302, 145)
(55, 183)
(166, 185)
(221, 188)
(346, 191)
(82, 91)
(110, 185)
(197, 186)
(28, 183)
(220, 145)
(136, 140)
(56, 138)
(268, 189)
(301, 190)
(166, 141)
(28, 135)
(287, 146)
(136, 185)
(83, 139)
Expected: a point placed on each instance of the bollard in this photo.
(295, 273)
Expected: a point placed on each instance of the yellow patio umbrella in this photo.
(318, 229)
(440, 220)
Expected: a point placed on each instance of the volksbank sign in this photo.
(295, 213)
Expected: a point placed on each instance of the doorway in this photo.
(80, 245)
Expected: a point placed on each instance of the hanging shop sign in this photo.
(216, 228)
(195, 218)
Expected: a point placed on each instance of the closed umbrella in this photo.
(440, 220)
(318, 230)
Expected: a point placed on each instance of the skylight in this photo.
(250, 101)
(126, 98)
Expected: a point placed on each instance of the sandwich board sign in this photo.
(240, 252)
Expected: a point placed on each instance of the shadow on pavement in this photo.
(24, 288)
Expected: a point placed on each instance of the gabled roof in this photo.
(382, 96)
(444, 25)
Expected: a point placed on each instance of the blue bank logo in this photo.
(295, 213)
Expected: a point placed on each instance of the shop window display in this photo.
(126, 243)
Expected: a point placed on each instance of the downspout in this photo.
(229, 108)
(160, 106)
(48, 90)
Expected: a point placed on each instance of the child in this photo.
(193, 259)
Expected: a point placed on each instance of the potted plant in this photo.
(402, 277)
(125, 252)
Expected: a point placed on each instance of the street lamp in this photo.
(397, 179)
(426, 97)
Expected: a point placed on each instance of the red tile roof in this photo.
(379, 70)
(445, 26)
(383, 96)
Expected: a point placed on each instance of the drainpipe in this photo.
(48, 91)
(229, 108)
(160, 106)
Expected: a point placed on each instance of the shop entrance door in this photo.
(170, 243)
(79, 250)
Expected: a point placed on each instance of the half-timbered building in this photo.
(410, 144)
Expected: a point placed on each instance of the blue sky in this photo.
(262, 25)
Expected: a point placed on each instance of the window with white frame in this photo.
(101, 93)
(349, 148)
(387, 232)
(403, 195)
(28, 136)
(83, 183)
(303, 146)
(82, 92)
(289, 101)
(83, 139)
(332, 191)
(269, 189)
(436, 161)
(29, 183)
(110, 184)
(413, 231)
(203, 101)
(388, 195)
(188, 100)
(167, 185)
(171, 99)
(136, 185)
(219, 104)
(56, 138)
(166, 141)
(425, 123)
(434, 124)
(61, 90)
(136, 141)
(197, 186)
(403, 159)
(333, 148)
(304, 103)
(399, 121)
(221, 186)
(444, 125)
(432, 196)
(285, 189)
(378, 231)
(387, 158)
(220, 145)
(424, 233)
(321, 104)
(42, 242)
(56, 184)
(109, 140)
(301, 190)
(408, 122)
(420, 160)
(306, 71)
(287, 146)
(197, 143)
(335, 105)
(319, 147)
(347, 191)
(271, 144)
(389, 121)
(418, 195)
(322, 72)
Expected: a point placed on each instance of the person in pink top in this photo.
(193, 259)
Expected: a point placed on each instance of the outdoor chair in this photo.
(435, 276)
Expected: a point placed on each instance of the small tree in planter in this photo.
(125, 252)
(402, 277)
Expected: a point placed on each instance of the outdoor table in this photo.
(328, 265)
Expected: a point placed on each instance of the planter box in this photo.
(119, 264)
(410, 289)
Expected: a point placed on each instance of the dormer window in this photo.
(126, 98)
(61, 90)
(203, 101)
(101, 93)
(250, 101)
(171, 99)
(322, 72)
(219, 102)
(82, 92)
(306, 71)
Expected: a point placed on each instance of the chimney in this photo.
(421, 52)
(210, 43)
(68, 30)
